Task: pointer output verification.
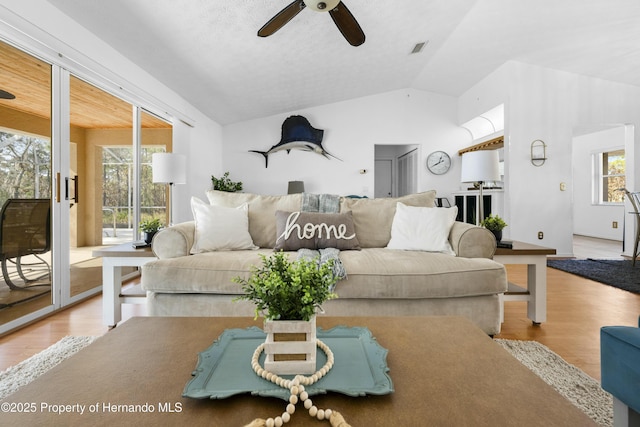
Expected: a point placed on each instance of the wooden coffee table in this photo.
(445, 371)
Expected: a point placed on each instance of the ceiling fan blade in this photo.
(6, 95)
(347, 24)
(284, 16)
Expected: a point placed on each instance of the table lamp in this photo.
(169, 168)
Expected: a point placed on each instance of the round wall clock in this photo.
(438, 162)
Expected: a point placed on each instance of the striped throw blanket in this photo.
(323, 203)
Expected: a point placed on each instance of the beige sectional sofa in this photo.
(380, 281)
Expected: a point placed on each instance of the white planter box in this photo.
(290, 347)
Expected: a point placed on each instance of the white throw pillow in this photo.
(422, 229)
(220, 228)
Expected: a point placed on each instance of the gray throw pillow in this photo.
(312, 230)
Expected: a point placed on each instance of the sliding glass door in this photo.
(75, 170)
(100, 130)
(25, 186)
(106, 171)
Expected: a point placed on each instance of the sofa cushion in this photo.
(372, 218)
(220, 228)
(262, 210)
(422, 229)
(372, 273)
(209, 272)
(389, 273)
(313, 230)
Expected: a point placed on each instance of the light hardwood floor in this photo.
(577, 309)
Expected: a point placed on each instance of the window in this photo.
(610, 177)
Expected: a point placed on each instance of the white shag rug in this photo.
(28, 370)
(568, 380)
(571, 382)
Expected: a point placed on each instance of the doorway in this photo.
(396, 170)
(599, 172)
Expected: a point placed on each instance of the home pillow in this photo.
(312, 230)
(220, 228)
(422, 229)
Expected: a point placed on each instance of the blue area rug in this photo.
(617, 273)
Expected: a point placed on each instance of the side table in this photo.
(535, 258)
(113, 259)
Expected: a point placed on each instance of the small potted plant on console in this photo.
(495, 224)
(150, 227)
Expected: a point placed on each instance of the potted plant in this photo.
(495, 224)
(225, 184)
(150, 227)
(288, 294)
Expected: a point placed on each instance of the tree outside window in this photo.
(25, 167)
(117, 176)
(611, 177)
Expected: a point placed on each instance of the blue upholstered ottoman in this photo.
(620, 368)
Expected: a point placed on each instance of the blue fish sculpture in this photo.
(297, 133)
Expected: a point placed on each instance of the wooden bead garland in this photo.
(296, 386)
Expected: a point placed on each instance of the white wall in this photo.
(43, 30)
(203, 146)
(590, 219)
(352, 129)
(539, 104)
(547, 104)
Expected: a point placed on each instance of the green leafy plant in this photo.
(493, 223)
(150, 225)
(225, 184)
(285, 290)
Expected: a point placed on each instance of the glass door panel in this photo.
(101, 139)
(26, 282)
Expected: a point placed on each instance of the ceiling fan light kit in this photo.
(321, 6)
(341, 16)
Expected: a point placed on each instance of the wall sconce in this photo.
(538, 152)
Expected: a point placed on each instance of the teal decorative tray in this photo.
(224, 369)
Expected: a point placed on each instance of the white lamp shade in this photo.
(480, 166)
(169, 168)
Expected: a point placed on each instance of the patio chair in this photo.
(25, 229)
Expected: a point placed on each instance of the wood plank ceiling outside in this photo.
(29, 79)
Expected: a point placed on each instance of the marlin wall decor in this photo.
(298, 134)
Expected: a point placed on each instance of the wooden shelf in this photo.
(513, 289)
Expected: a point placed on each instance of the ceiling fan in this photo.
(6, 95)
(343, 19)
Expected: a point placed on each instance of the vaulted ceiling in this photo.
(208, 50)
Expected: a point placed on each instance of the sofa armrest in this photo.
(174, 241)
(471, 241)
